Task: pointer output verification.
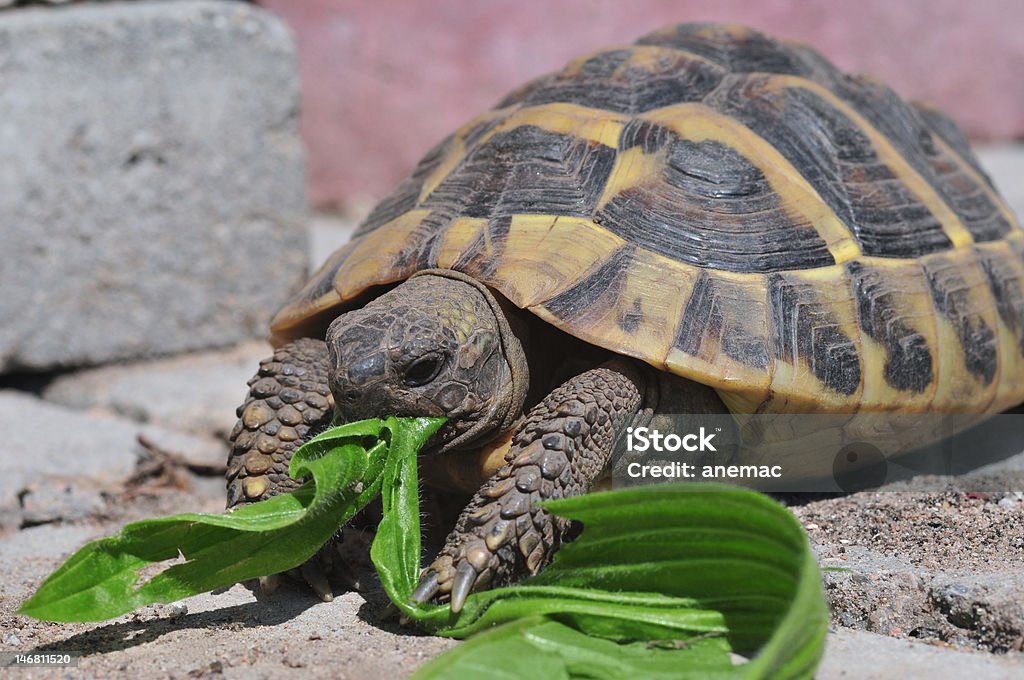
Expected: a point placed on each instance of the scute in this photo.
(730, 208)
(714, 208)
(526, 170)
(738, 49)
(627, 81)
(909, 364)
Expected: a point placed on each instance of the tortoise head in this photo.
(439, 344)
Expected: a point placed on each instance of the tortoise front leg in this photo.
(560, 451)
(288, 402)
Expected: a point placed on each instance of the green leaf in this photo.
(396, 547)
(540, 647)
(102, 580)
(708, 567)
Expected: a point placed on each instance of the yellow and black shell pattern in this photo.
(729, 208)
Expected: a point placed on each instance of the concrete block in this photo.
(152, 189)
(54, 462)
(196, 393)
(1005, 164)
(327, 233)
(867, 656)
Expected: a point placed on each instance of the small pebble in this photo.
(12, 640)
(178, 609)
(1008, 503)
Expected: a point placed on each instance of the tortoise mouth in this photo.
(467, 470)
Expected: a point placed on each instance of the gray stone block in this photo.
(867, 656)
(54, 462)
(1005, 164)
(327, 233)
(196, 393)
(152, 191)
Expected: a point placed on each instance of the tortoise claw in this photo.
(465, 579)
(428, 587)
(314, 575)
(390, 611)
(460, 586)
(268, 584)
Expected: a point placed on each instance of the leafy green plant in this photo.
(347, 466)
(699, 570)
(669, 581)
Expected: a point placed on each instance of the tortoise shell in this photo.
(729, 208)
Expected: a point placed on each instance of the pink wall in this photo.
(385, 80)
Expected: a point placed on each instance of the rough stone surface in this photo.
(943, 566)
(327, 233)
(56, 463)
(987, 607)
(152, 187)
(856, 655)
(1005, 164)
(887, 595)
(196, 393)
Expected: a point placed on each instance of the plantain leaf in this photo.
(395, 550)
(102, 580)
(541, 647)
(708, 568)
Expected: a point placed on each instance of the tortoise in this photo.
(709, 220)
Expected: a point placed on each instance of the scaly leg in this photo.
(560, 451)
(288, 402)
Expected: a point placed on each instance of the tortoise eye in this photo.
(423, 370)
